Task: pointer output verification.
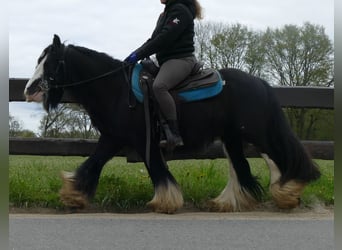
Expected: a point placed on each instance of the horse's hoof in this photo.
(69, 196)
(158, 208)
(287, 196)
(214, 206)
(229, 201)
(227, 207)
(167, 199)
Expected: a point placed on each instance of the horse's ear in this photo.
(56, 41)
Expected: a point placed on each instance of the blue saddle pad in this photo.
(189, 95)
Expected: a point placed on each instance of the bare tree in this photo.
(16, 128)
(205, 51)
(67, 120)
(53, 124)
(80, 124)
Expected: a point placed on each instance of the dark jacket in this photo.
(173, 36)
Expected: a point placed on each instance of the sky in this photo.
(117, 27)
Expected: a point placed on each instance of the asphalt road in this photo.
(151, 231)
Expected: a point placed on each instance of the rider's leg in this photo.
(171, 73)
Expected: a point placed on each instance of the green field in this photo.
(34, 182)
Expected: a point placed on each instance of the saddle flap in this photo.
(203, 78)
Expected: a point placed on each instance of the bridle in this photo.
(45, 84)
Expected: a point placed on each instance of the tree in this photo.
(255, 60)
(80, 124)
(53, 124)
(288, 56)
(16, 129)
(205, 51)
(300, 56)
(68, 121)
(222, 46)
(14, 126)
(230, 46)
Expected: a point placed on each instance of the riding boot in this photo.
(173, 137)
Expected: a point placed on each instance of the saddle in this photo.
(201, 83)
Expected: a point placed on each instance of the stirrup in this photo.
(176, 141)
(169, 140)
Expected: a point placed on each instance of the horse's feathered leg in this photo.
(167, 197)
(290, 165)
(286, 195)
(243, 191)
(80, 186)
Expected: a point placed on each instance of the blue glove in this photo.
(132, 58)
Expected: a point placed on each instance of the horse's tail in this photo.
(285, 148)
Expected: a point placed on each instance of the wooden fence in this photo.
(300, 97)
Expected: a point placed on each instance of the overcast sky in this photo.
(117, 27)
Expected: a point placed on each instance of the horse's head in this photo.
(49, 73)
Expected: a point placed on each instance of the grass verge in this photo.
(34, 182)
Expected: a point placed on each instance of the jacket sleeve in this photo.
(178, 20)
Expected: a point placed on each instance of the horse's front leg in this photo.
(167, 197)
(79, 186)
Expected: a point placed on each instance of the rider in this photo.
(173, 43)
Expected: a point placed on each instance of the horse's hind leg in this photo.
(285, 195)
(243, 191)
(291, 168)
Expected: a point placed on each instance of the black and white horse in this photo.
(246, 111)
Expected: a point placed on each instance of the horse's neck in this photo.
(91, 95)
(81, 67)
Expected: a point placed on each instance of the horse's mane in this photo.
(105, 58)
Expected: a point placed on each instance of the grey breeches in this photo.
(171, 73)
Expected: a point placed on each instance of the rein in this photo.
(91, 79)
(124, 65)
(46, 85)
(61, 63)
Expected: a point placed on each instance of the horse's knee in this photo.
(69, 195)
(167, 198)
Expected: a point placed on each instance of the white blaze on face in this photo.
(32, 91)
